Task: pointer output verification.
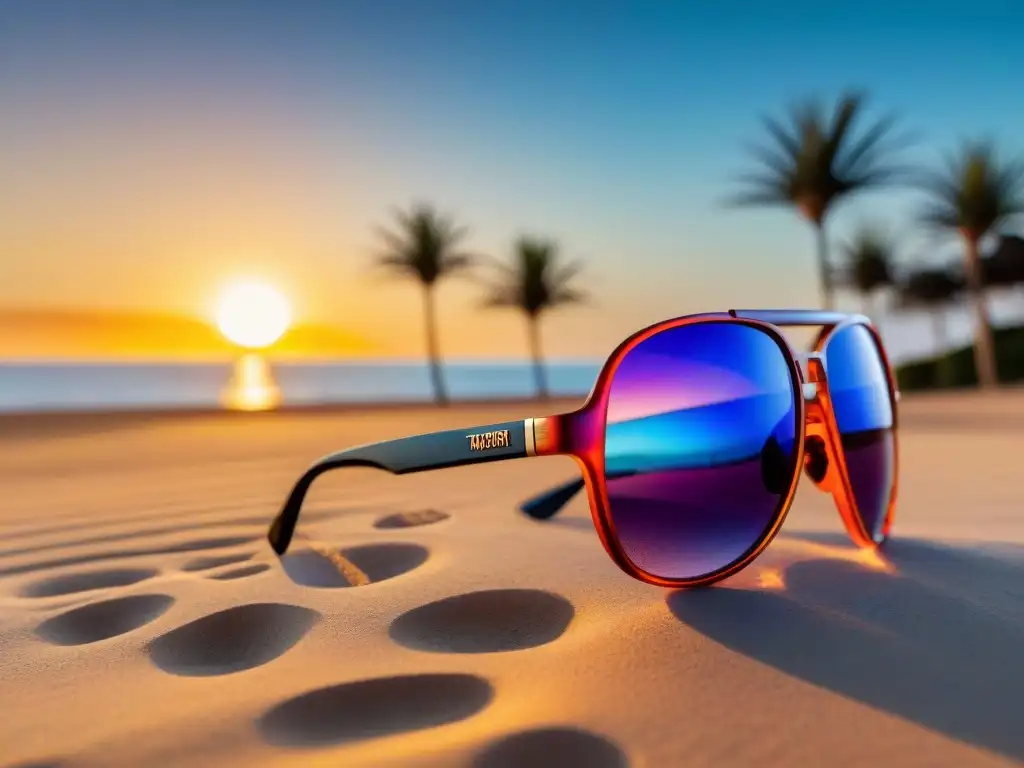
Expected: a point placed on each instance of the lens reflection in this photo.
(859, 388)
(700, 447)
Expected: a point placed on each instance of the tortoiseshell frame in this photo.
(581, 434)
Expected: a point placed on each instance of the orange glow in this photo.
(82, 334)
(865, 557)
(252, 388)
(771, 578)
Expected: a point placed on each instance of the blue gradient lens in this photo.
(859, 387)
(700, 447)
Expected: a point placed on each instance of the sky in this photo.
(153, 152)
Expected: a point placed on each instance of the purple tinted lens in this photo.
(859, 387)
(700, 447)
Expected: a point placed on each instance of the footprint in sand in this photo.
(324, 567)
(232, 640)
(240, 573)
(367, 709)
(103, 620)
(484, 622)
(411, 519)
(215, 561)
(551, 748)
(82, 582)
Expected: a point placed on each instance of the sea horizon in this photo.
(38, 386)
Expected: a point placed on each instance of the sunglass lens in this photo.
(859, 387)
(700, 447)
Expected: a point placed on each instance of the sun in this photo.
(252, 314)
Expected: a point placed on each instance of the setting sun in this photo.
(253, 315)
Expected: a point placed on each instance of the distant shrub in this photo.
(956, 368)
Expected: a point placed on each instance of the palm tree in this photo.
(426, 249)
(933, 289)
(536, 282)
(975, 194)
(869, 258)
(816, 162)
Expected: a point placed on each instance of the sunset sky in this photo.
(152, 152)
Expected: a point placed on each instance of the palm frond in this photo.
(869, 259)
(939, 216)
(392, 241)
(423, 245)
(566, 272)
(775, 161)
(859, 150)
(536, 280)
(930, 288)
(569, 296)
(760, 198)
(458, 262)
(789, 143)
(818, 159)
(501, 298)
(876, 177)
(975, 192)
(846, 112)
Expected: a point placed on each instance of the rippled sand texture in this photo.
(422, 621)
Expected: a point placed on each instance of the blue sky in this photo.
(154, 149)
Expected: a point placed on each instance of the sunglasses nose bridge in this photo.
(813, 375)
(820, 462)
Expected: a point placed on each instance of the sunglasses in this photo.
(692, 441)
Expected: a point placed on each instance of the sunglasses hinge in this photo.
(812, 371)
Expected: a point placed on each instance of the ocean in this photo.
(74, 386)
(37, 387)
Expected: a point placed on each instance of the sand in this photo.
(145, 621)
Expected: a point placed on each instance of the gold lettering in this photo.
(485, 441)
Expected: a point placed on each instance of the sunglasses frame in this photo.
(581, 435)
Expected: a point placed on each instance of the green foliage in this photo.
(537, 280)
(956, 368)
(1005, 266)
(425, 246)
(975, 193)
(869, 258)
(930, 288)
(817, 159)
(813, 160)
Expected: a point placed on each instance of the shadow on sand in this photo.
(939, 642)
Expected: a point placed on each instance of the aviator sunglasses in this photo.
(692, 441)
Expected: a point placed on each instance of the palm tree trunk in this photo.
(824, 271)
(984, 345)
(533, 328)
(433, 349)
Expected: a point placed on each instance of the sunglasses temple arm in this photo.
(546, 505)
(419, 453)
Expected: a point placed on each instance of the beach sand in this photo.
(145, 621)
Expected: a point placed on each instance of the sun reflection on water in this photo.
(252, 386)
